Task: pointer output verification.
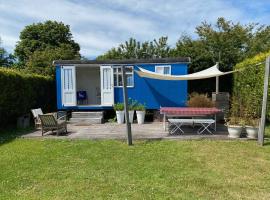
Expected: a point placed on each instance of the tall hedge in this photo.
(20, 92)
(248, 86)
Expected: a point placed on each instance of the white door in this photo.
(107, 93)
(68, 77)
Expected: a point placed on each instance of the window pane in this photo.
(115, 80)
(129, 80)
(166, 70)
(129, 69)
(120, 83)
(114, 70)
(159, 70)
(119, 70)
(68, 82)
(105, 78)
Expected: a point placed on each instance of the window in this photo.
(117, 76)
(163, 69)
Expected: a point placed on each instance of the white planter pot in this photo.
(252, 132)
(120, 115)
(234, 131)
(131, 115)
(140, 116)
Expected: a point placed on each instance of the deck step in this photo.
(86, 117)
(87, 114)
(98, 120)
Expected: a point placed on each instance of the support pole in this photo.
(125, 97)
(264, 103)
(217, 81)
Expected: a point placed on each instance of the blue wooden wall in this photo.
(155, 93)
(58, 88)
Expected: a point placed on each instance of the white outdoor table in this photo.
(192, 112)
(204, 123)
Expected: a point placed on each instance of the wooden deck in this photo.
(116, 131)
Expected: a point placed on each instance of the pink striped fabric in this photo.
(188, 111)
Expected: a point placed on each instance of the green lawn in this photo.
(81, 169)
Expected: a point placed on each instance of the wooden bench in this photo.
(204, 124)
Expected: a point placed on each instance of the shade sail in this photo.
(207, 73)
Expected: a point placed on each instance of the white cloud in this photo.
(99, 25)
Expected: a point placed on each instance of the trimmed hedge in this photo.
(20, 92)
(248, 86)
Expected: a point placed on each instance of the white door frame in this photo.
(68, 91)
(107, 87)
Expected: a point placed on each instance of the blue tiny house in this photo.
(97, 85)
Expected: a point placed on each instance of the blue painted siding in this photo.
(156, 93)
(58, 88)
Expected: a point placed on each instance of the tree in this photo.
(135, 49)
(42, 42)
(260, 41)
(224, 42)
(6, 59)
(41, 60)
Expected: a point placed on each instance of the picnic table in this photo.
(188, 112)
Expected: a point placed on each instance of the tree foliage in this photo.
(139, 50)
(42, 43)
(41, 60)
(225, 42)
(21, 92)
(248, 86)
(6, 59)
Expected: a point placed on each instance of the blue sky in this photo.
(98, 25)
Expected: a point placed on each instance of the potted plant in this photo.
(252, 128)
(235, 126)
(252, 114)
(131, 107)
(140, 113)
(120, 114)
(235, 121)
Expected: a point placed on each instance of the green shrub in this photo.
(140, 107)
(132, 104)
(248, 86)
(199, 100)
(235, 116)
(20, 92)
(118, 106)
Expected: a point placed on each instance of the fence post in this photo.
(125, 97)
(217, 81)
(264, 103)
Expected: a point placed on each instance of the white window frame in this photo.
(117, 73)
(163, 66)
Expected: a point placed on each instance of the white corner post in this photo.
(217, 81)
(264, 103)
(125, 97)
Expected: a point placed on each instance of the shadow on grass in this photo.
(266, 141)
(11, 133)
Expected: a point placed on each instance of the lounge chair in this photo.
(36, 113)
(50, 123)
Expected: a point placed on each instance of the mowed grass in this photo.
(83, 169)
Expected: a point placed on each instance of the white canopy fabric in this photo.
(207, 73)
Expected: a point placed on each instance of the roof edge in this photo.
(125, 61)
